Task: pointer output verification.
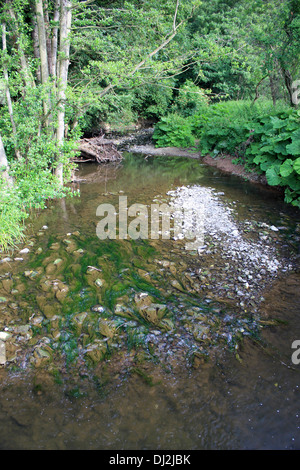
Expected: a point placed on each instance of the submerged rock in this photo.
(96, 351)
(106, 328)
(148, 309)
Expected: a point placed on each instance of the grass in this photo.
(12, 218)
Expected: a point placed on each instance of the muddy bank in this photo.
(224, 163)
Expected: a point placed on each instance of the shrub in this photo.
(12, 217)
(262, 136)
(174, 131)
(276, 151)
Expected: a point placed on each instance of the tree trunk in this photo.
(4, 164)
(272, 88)
(47, 32)
(62, 76)
(257, 89)
(27, 75)
(54, 40)
(289, 84)
(43, 53)
(36, 50)
(42, 40)
(7, 92)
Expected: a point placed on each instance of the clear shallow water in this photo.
(226, 403)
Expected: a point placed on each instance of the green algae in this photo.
(85, 289)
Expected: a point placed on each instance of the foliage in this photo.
(276, 151)
(190, 99)
(148, 60)
(11, 217)
(261, 136)
(174, 131)
(225, 126)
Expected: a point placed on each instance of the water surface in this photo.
(215, 371)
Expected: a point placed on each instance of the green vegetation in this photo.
(262, 137)
(68, 66)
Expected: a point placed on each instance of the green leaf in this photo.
(261, 159)
(273, 177)
(278, 123)
(294, 148)
(292, 181)
(265, 165)
(296, 202)
(287, 167)
(297, 166)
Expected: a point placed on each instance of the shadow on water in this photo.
(209, 368)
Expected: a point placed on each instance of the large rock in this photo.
(96, 351)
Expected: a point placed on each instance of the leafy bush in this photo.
(276, 151)
(34, 181)
(11, 216)
(174, 131)
(262, 136)
(226, 126)
(190, 100)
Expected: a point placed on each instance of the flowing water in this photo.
(143, 344)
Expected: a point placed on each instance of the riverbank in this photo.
(223, 163)
(140, 142)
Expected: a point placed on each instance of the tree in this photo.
(74, 53)
(62, 75)
(275, 36)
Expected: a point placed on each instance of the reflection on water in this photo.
(243, 401)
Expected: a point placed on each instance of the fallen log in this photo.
(97, 149)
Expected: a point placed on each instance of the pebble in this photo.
(24, 251)
(2, 353)
(4, 335)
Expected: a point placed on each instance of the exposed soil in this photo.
(224, 163)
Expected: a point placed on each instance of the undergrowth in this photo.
(260, 136)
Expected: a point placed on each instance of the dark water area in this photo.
(210, 367)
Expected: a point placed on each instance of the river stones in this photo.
(71, 245)
(122, 310)
(93, 277)
(55, 246)
(48, 310)
(200, 332)
(7, 285)
(78, 321)
(61, 290)
(45, 285)
(177, 285)
(96, 351)
(166, 324)
(106, 328)
(2, 353)
(152, 312)
(42, 354)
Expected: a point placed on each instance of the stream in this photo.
(123, 343)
